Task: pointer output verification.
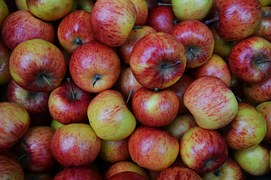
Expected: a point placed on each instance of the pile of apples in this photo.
(135, 89)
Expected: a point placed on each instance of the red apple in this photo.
(78, 173)
(68, 103)
(141, 7)
(178, 173)
(155, 108)
(203, 150)
(34, 148)
(10, 169)
(21, 25)
(153, 148)
(37, 65)
(5, 76)
(211, 102)
(75, 144)
(250, 58)
(74, 30)
(94, 67)
(265, 25)
(127, 175)
(197, 39)
(112, 21)
(15, 122)
(158, 60)
(265, 109)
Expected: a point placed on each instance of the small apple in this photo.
(141, 7)
(5, 76)
(79, 173)
(265, 109)
(4, 11)
(265, 25)
(10, 169)
(178, 173)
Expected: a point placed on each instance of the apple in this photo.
(215, 66)
(126, 49)
(74, 30)
(5, 76)
(55, 124)
(142, 11)
(114, 151)
(21, 25)
(79, 173)
(112, 21)
(179, 88)
(37, 65)
(197, 39)
(203, 150)
(250, 58)
(265, 25)
(265, 2)
(265, 109)
(10, 169)
(155, 108)
(161, 18)
(4, 11)
(178, 173)
(75, 144)
(94, 67)
(127, 175)
(15, 122)
(158, 60)
(211, 102)
(85, 5)
(180, 125)
(33, 102)
(195, 9)
(110, 117)
(237, 19)
(152, 148)
(50, 10)
(247, 129)
(229, 170)
(21, 5)
(68, 103)
(254, 161)
(34, 149)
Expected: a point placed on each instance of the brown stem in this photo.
(164, 4)
(165, 66)
(129, 96)
(71, 88)
(97, 77)
(209, 21)
(262, 60)
(47, 81)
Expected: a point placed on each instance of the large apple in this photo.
(21, 25)
(4, 11)
(211, 102)
(197, 40)
(158, 60)
(152, 148)
(265, 109)
(94, 67)
(75, 144)
(250, 58)
(110, 117)
(10, 168)
(113, 21)
(5, 76)
(155, 108)
(74, 30)
(178, 173)
(15, 122)
(247, 129)
(37, 65)
(203, 150)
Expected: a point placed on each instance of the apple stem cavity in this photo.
(166, 66)
(45, 79)
(217, 173)
(209, 21)
(71, 88)
(78, 41)
(155, 89)
(262, 60)
(129, 96)
(96, 78)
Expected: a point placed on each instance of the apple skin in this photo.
(254, 161)
(50, 10)
(42, 73)
(229, 170)
(265, 25)
(152, 148)
(126, 49)
(21, 5)
(161, 18)
(178, 173)
(249, 58)
(237, 19)
(142, 11)
(197, 39)
(247, 129)
(188, 10)
(265, 109)
(15, 122)
(10, 169)
(67, 148)
(215, 66)
(4, 11)
(112, 21)
(211, 102)
(127, 175)
(68, 103)
(158, 60)
(110, 117)
(94, 67)
(5, 76)
(79, 173)
(74, 30)
(35, 144)
(21, 25)
(203, 150)
(265, 2)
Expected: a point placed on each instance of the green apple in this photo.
(265, 109)
(21, 4)
(4, 11)
(191, 9)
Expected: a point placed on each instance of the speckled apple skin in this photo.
(178, 173)
(10, 169)
(79, 173)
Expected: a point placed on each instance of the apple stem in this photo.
(209, 21)
(164, 4)
(47, 81)
(165, 66)
(238, 99)
(129, 96)
(78, 41)
(96, 78)
(155, 89)
(262, 60)
(71, 88)
(22, 157)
